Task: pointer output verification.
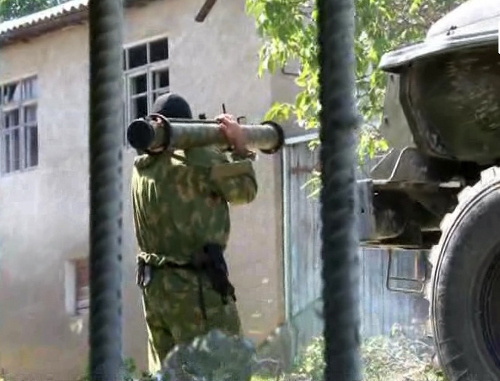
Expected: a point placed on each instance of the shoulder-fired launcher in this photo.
(155, 130)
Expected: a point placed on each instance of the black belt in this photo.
(213, 264)
(144, 275)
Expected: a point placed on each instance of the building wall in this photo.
(44, 212)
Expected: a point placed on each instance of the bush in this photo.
(393, 358)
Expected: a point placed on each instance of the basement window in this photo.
(77, 286)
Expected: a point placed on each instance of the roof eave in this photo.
(27, 32)
(70, 17)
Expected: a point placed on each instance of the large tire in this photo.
(464, 289)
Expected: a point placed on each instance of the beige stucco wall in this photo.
(44, 212)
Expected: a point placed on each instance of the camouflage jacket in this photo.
(179, 205)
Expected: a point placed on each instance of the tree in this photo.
(289, 32)
(12, 9)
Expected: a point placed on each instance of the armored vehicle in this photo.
(438, 188)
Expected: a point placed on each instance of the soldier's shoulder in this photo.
(145, 160)
(206, 156)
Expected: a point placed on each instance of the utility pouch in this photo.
(211, 261)
(143, 274)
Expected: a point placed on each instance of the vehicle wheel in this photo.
(464, 289)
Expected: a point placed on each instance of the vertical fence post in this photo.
(105, 140)
(337, 154)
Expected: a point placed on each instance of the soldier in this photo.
(181, 217)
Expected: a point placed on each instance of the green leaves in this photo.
(279, 112)
(11, 9)
(289, 32)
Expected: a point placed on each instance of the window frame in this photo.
(23, 127)
(147, 69)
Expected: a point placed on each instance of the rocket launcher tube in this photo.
(146, 133)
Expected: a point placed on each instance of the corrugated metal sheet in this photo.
(381, 308)
(68, 13)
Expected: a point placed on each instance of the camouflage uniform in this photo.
(180, 205)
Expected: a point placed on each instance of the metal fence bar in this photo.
(105, 140)
(339, 250)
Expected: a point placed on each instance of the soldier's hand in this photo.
(233, 132)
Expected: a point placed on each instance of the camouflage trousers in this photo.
(173, 314)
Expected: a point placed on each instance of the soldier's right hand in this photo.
(233, 132)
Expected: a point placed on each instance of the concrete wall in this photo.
(44, 211)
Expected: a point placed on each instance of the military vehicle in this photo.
(438, 188)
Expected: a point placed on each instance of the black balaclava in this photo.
(172, 106)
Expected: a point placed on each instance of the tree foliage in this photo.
(289, 32)
(12, 9)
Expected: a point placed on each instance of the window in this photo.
(18, 125)
(77, 286)
(146, 76)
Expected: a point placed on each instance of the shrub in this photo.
(392, 358)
